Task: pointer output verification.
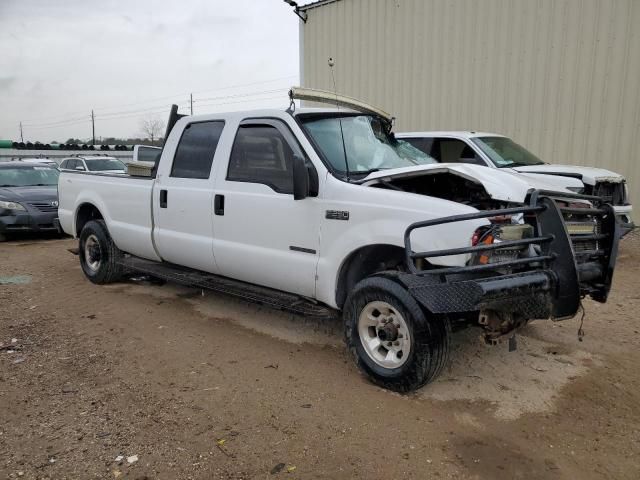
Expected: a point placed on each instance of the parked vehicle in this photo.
(28, 198)
(41, 161)
(146, 154)
(323, 210)
(497, 151)
(94, 164)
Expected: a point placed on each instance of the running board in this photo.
(246, 291)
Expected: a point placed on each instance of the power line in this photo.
(132, 114)
(66, 116)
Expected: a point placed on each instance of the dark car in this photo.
(28, 198)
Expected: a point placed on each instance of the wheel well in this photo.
(86, 212)
(363, 262)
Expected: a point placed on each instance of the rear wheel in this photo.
(394, 342)
(99, 256)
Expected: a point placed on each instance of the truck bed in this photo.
(124, 201)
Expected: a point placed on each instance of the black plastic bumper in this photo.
(549, 283)
(28, 222)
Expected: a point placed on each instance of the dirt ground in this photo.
(142, 381)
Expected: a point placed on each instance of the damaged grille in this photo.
(610, 192)
(585, 230)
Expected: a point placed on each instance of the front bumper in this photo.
(18, 221)
(547, 284)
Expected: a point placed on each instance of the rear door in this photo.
(183, 198)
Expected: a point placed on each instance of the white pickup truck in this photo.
(323, 210)
(497, 151)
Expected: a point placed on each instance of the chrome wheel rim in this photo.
(92, 253)
(384, 334)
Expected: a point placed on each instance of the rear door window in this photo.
(452, 150)
(196, 149)
(422, 144)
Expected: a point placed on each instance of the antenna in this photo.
(335, 92)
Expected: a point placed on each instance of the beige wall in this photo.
(562, 77)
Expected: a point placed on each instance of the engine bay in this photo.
(444, 185)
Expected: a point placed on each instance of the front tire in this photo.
(99, 256)
(393, 341)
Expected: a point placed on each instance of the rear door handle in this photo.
(218, 205)
(163, 199)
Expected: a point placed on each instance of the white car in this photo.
(93, 164)
(42, 161)
(497, 151)
(323, 210)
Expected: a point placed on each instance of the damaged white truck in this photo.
(323, 210)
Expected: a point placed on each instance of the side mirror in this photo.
(300, 178)
(80, 168)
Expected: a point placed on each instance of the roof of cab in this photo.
(24, 165)
(271, 112)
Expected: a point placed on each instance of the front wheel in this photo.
(99, 256)
(393, 341)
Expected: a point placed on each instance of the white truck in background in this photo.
(497, 151)
(323, 210)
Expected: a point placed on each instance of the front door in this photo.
(262, 235)
(183, 199)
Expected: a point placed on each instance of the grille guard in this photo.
(549, 284)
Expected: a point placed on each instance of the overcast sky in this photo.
(129, 60)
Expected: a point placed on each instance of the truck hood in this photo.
(589, 175)
(500, 184)
(29, 194)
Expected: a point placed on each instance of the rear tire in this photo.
(393, 340)
(3, 238)
(98, 254)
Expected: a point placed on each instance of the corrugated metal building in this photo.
(562, 77)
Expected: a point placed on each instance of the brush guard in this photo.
(548, 284)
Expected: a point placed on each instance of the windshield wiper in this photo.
(518, 164)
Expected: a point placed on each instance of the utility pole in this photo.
(93, 127)
(191, 99)
(21, 137)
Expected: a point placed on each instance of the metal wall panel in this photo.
(562, 77)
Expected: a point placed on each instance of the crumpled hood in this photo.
(29, 194)
(589, 175)
(499, 184)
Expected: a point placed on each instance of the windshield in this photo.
(504, 152)
(369, 147)
(102, 164)
(28, 176)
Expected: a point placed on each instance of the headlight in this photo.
(576, 189)
(11, 206)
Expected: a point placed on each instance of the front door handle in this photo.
(163, 199)
(218, 205)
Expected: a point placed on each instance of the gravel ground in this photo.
(159, 382)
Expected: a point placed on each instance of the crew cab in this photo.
(497, 151)
(323, 210)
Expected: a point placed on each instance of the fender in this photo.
(380, 217)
